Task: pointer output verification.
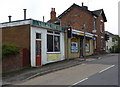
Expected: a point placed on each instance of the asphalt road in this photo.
(107, 76)
(103, 71)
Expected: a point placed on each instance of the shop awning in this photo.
(81, 33)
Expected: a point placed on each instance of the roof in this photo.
(109, 33)
(100, 12)
(33, 22)
(84, 8)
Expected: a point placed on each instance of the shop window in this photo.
(57, 33)
(87, 46)
(53, 42)
(49, 31)
(74, 44)
(49, 43)
(56, 43)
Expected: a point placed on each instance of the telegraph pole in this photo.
(84, 43)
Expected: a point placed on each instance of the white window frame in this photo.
(53, 34)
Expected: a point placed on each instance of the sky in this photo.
(36, 9)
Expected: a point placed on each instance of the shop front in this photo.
(75, 44)
(47, 43)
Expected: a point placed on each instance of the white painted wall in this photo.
(109, 43)
(43, 32)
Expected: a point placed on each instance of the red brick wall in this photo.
(76, 18)
(19, 35)
(11, 63)
(99, 33)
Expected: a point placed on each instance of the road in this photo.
(103, 71)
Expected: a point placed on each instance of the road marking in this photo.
(106, 68)
(80, 81)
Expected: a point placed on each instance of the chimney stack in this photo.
(84, 7)
(9, 18)
(43, 18)
(53, 13)
(24, 14)
(82, 4)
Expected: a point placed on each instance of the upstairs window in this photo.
(101, 26)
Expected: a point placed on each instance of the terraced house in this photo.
(85, 24)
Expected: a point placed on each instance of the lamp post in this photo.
(84, 43)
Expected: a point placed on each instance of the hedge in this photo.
(9, 49)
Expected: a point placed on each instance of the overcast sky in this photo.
(36, 9)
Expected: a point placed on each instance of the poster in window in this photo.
(74, 46)
(87, 46)
(57, 43)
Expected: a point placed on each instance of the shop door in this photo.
(38, 52)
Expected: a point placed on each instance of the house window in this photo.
(38, 36)
(113, 40)
(53, 42)
(102, 44)
(101, 26)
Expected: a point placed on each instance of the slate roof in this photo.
(76, 6)
(100, 11)
(84, 8)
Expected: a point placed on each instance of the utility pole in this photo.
(84, 43)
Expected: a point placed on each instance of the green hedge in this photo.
(9, 49)
(115, 49)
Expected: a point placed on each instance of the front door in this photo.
(38, 52)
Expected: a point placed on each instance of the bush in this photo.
(115, 49)
(9, 49)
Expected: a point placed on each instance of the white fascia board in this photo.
(15, 23)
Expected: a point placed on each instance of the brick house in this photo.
(78, 16)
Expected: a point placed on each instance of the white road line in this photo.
(80, 81)
(106, 68)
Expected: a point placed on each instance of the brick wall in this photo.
(100, 34)
(19, 35)
(11, 63)
(76, 18)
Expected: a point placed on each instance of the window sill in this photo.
(53, 52)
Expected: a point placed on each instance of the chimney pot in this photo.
(82, 3)
(9, 18)
(24, 14)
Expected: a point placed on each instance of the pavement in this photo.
(48, 68)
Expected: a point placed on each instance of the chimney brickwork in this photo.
(53, 14)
